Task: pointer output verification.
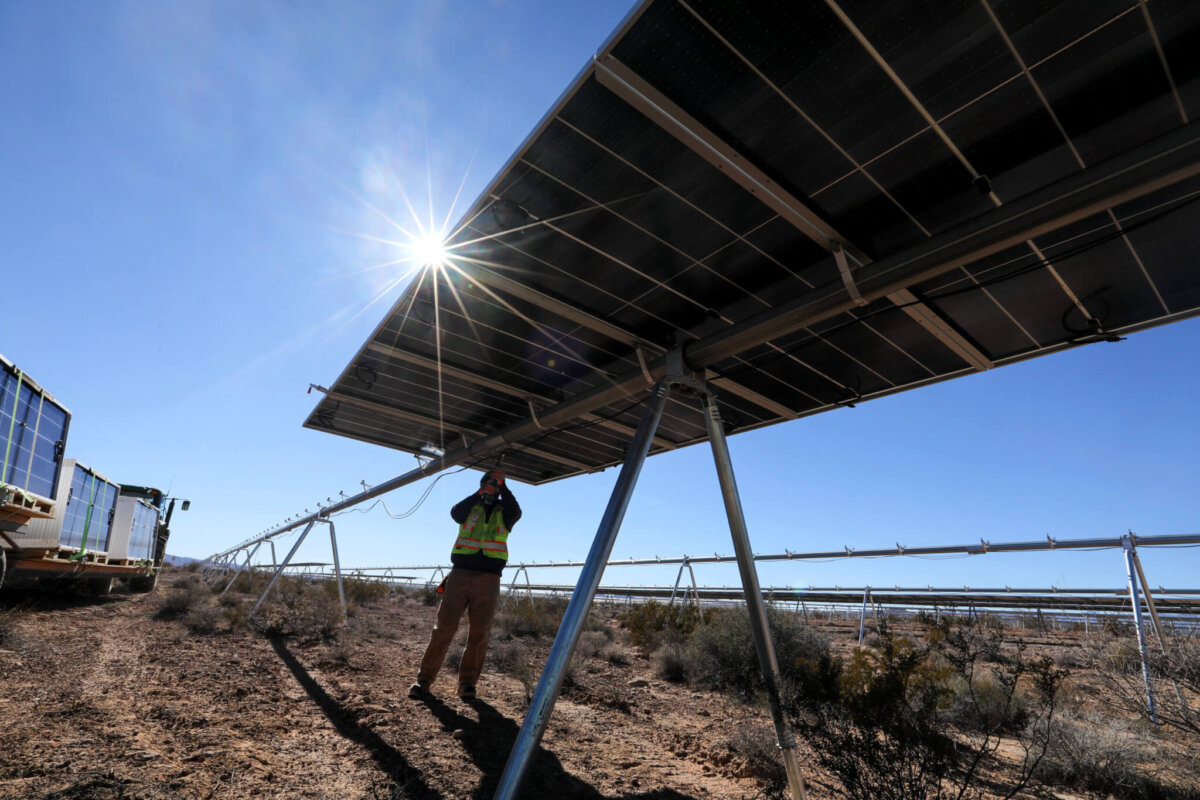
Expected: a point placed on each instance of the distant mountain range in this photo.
(180, 561)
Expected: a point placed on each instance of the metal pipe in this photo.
(759, 625)
(337, 568)
(233, 580)
(280, 568)
(1158, 631)
(538, 715)
(862, 616)
(1140, 628)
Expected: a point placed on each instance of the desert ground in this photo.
(125, 698)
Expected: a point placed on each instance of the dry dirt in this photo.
(102, 700)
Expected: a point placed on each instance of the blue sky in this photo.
(193, 194)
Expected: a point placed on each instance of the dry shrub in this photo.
(927, 720)
(651, 624)
(721, 654)
(670, 662)
(236, 616)
(1100, 754)
(759, 750)
(512, 658)
(359, 591)
(301, 608)
(614, 654)
(1175, 671)
(591, 643)
(187, 594)
(533, 618)
(202, 619)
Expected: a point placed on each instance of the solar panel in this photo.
(810, 205)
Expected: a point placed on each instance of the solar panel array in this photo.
(775, 190)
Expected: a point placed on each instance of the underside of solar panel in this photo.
(808, 205)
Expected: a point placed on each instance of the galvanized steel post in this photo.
(281, 568)
(1139, 626)
(759, 625)
(538, 715)
(337, 567)
(233, 580)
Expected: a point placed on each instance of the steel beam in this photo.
(1139, 627)
(540, 707)
(759, 625)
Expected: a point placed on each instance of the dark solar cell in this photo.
(1024, 153)
(1040, 29)
(927, 181)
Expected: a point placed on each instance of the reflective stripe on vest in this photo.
(484, 533)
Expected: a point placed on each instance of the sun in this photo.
(429, 250)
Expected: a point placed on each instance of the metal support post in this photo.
(233, 580)
(1158, 630)
(274, 562)
(512, 587)
(538, 715)
(862, 617)
(1135, 601)
(759, 625)
(678, 578)
(434, 576)
(337, 567)
(281, 568)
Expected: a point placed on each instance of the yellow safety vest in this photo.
(483, 532)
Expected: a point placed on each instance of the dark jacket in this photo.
(508, 507)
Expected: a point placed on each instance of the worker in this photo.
(480, 552)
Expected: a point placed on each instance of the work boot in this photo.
(419, 690)
(466, 692)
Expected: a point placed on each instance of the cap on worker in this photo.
(494, 477)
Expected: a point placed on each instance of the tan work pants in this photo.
(476, 593)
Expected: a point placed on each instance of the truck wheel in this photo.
(143, 583)
(99, 586)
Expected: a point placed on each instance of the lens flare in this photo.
(429, 250)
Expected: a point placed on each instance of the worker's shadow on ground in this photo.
(487, 741)
(405, 775)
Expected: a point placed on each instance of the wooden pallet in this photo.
(20, 507)
(72, 554)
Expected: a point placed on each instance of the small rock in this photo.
(704, 712)
(458, 734)
(638, 683)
